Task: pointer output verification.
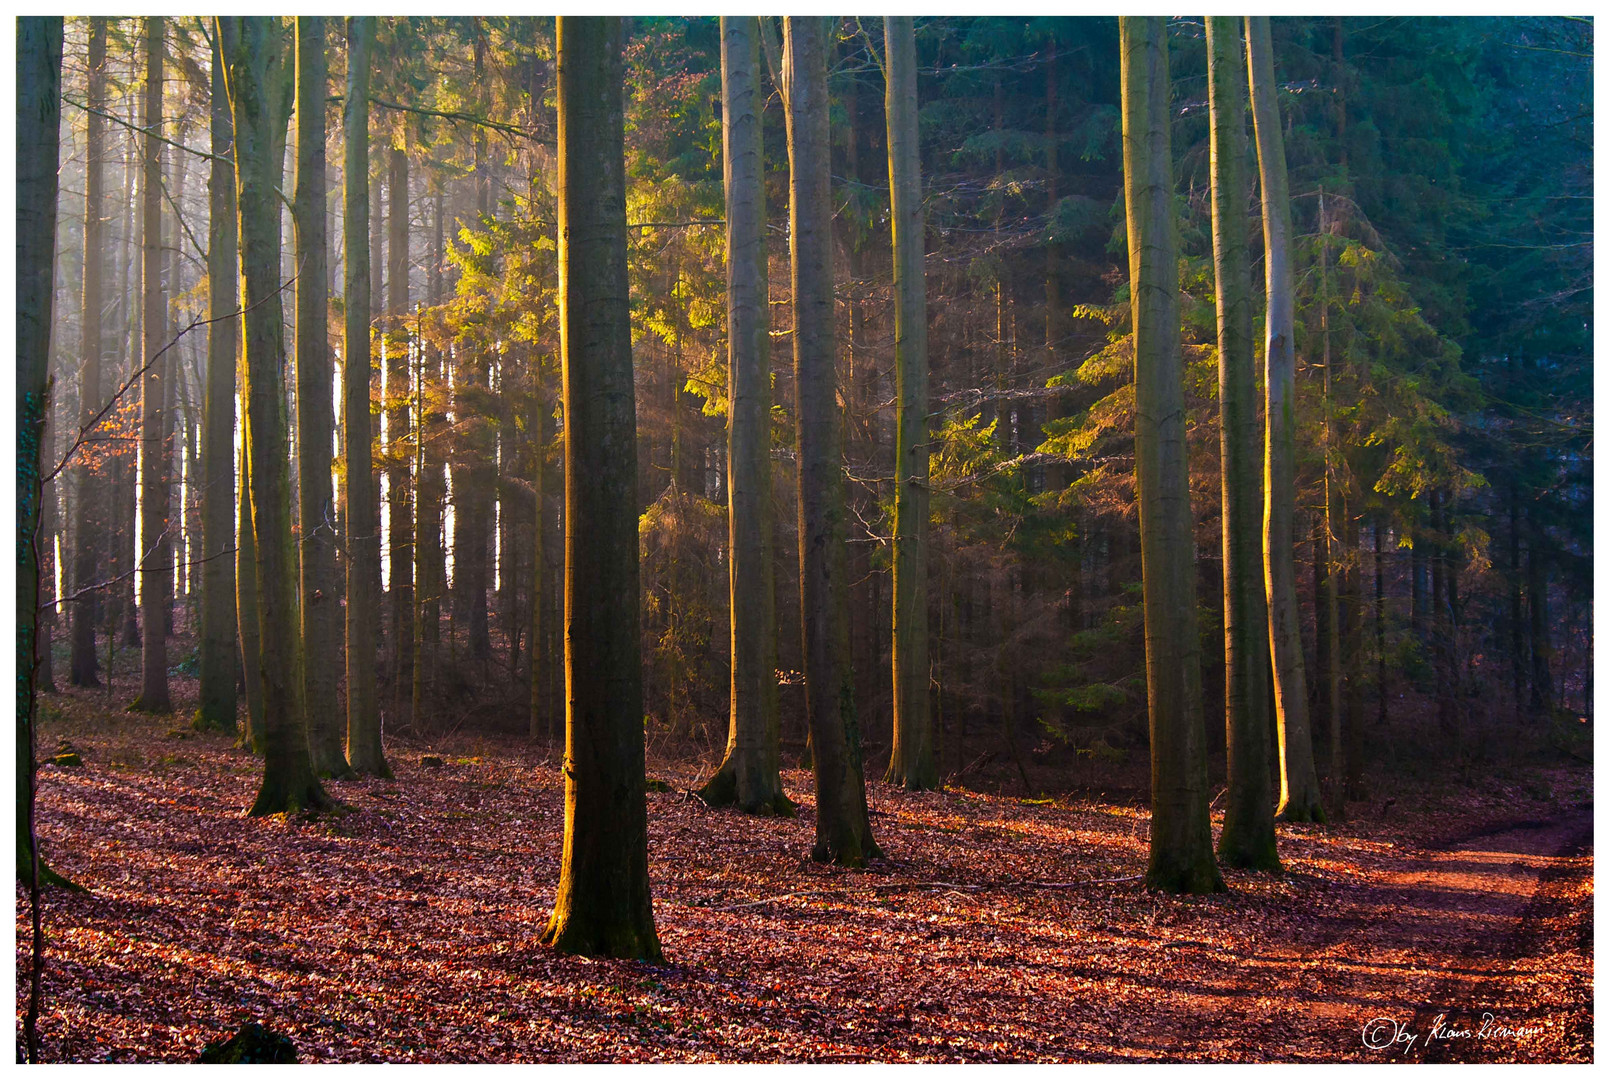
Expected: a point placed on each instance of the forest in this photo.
(804, 539)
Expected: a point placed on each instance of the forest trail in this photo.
(999, 929)
(1506, 893)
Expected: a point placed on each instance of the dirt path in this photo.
(1510, 910)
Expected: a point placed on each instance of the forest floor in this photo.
(1454, 923)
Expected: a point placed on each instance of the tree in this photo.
(400, 500)
(39, 53)
(1248, 838)
(843, 827)
(219, 632)
(364, 750)
(912, 762)
(749, 774)
(1182, 832)
(315, 412)
(1299, 783)
(155, 560)
(602, 907)
(87, 546)
(257, 80)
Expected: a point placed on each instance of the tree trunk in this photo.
(155, 561)
(750, 774)
(246, 606)
(1330, 535)
(254, 59)
(315, 411)
(1182, 832)
(1299, 783)
(1248, 838)
(364, 750)
(88, 539)
(602, 907)
(843, 827)
(39, 58)
(398, 418)
(218, 697)
(911, 762)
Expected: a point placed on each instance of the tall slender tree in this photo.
(843, 827)
(399, 418)
(90, 506)
(155, 558)
(602, 907)
(256, 72)
(1299, 783)
(1182, 832)
(315, 411)
(750, 773)
(218, 696)
(39, 57)
(912, 762)
(1248, 838)
(364, 750)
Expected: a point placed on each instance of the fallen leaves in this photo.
(405, 929)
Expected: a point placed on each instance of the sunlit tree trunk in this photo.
(1248, 838)
(398, 421)
(39, 58)
(1299, 783)
(602, 907)
(88, 538)
(254, 67)
(155, 558)
(315, 411)
(1182, 834)
(246, 606)
(843, 827)
(750, 773)
(911, 762)
(218, 696)
(364, 750)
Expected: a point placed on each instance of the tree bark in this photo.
(1299, 783)
(364, 750)
(398, 421)
(39, 59)
(603, 906)
(155, 559)
(1537, 586)
(1248, 838)
(750, 774)
(218, 696)
(1182, 833)
(254, 65)
(246, 606)
(88, 537)
(911, 762)
(843, 827)
(315, 411)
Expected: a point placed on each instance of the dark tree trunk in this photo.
(364, 750)
(155, 558)
(88, 538)
(603, 906)
(911, 762)
(398, 421)
(1248, 838)
(39, 58)
(750, 774)
(219, 700)
(1182, 830)
(843, 827)
(256, 70)
(315, 411)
